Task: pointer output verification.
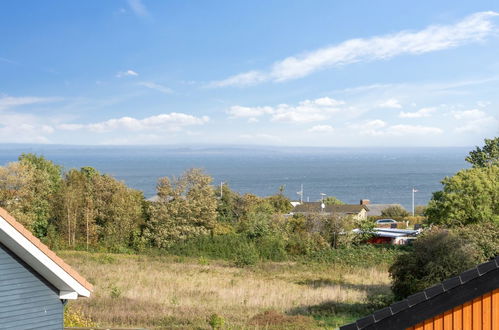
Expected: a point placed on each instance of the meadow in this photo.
(175, 292)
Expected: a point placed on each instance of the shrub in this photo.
(115, 292)
(216, 247)
(255, 225)
(395, 211)
(437, 255)
(366, 231)
(485, 236)
(247, 255)
(304, 243)
(357, 256)
(272, 248)
(74, 317)
(232, 247)
(216, 321)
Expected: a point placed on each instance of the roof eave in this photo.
(40, 262)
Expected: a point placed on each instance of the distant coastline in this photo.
(383, 175)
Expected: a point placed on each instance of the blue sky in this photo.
(304, 73)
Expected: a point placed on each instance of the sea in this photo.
(382, 175)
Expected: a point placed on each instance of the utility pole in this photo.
(414, 190)
(323, 206)
(301, 194)
(221, 190)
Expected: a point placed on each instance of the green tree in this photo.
(280, 203)
(485, 236)
(486, 156)
(53, 171)
(70, 204)
(28, 188)
(336, 229)
(331, 200)
(437, 255)
(468, 197)
(98, 209)
(186, 208)
(227, 207)
(119, 212)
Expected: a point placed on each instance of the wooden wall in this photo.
(26, 300)
(481, 313)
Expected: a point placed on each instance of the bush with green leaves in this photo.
(395, 211)
(246, 255)
(485, 236)
(437, 255)
(216, 321)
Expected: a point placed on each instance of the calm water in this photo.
(383, 175)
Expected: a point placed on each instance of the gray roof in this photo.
(154, 198)
(376, 209)
(315, 207)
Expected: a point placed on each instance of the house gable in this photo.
(41, 259)
(428, 305)
(27, 301)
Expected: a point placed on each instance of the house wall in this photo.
(481, 313)
(362, 215)
(27, 301)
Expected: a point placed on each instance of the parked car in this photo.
(385, 221)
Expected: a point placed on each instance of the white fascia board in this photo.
(39, 261)
(68, 295)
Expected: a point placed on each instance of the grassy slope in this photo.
(181, 292)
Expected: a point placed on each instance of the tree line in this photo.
(83, 208)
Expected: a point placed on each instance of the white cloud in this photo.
(423, 112)
(242, 79)
(306, 111)
(390, 103)
(238, 111)
(473, 28)
(170, 122)
(483, 104)
(158, 87)
(413, 130)
(321, 129)
(70, 127)
(475, 121)
(138, 8)
(473, 114)
(7, 102)
(23, 128)
(127, 73)
(369, 127)
(379, 127)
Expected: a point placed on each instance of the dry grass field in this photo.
(171, 292)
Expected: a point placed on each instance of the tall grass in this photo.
(185, 292)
